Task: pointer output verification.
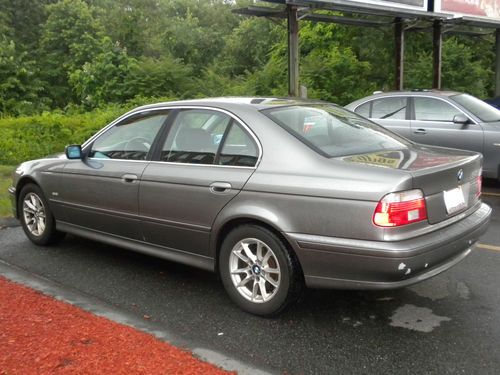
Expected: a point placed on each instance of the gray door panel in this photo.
(448, 134)
(101, 192)
(401, 127)
(102, 195)
(433, 124)
(179, 203)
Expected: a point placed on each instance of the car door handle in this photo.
(420, 131)
(130, 178)
(220, 187)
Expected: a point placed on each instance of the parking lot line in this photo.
(488, 247)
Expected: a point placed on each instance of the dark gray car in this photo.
(440, 118)
(272, 194)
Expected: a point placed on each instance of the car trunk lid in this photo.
(450, 185)
(447, 177)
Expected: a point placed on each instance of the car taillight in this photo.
(396, 209)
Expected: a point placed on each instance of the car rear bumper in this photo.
(330, 262)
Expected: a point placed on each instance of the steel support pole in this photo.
(399, 39)
(293, 51)
(437, 46)
(497, 63)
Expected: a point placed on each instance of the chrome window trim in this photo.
(168, 162)
(203, 165)
(122, 160)
(135, 112)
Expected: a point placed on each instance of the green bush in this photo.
(5, 182)
(32, 137)
(25, 138)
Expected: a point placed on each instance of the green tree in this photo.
(103, 79)
(19, 87)
(159, 77)
(70, 38)
(23, 19)
(464, 68)
(248, 47)
(134, 24)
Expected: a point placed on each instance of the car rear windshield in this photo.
(333, 131)
(482, 110)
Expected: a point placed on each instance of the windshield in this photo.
(480, 109)
(334, 131)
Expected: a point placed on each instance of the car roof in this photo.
(416, 92)
(251, 101)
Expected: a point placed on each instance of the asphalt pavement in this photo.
(447, 325)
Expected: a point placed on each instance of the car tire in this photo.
(258, 271)
(36, 218)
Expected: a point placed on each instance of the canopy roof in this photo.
(383, 14)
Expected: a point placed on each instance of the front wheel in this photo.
(258, 272)
(36, 218)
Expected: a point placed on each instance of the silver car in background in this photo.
(272, 194)
(440, 118)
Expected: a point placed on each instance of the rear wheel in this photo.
(36, 218)
(258, 272)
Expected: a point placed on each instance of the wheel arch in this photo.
(23, 181)
(222, 230)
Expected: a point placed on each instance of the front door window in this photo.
(130, 139)
(429, 109)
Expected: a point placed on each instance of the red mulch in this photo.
(40, 335)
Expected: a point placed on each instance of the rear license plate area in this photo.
(454, 200)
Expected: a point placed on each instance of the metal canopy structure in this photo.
(402, 19)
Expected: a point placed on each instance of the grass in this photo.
(5, 181)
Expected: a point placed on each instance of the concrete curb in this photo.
(103, 309)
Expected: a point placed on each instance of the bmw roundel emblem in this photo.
(460, 175)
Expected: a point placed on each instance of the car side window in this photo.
(195, 136)
(364, 109)
(130, 139)
(389, 108)
(429, 109)
(238, 149)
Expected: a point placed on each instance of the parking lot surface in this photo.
(447, 325)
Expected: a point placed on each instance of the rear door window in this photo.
(364, 109)
(389, 108)
(195, 136)
(238, 149)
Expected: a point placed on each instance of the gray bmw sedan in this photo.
(272, 194)
(439, 118)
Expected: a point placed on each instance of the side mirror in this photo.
(74, 152)
(461, 119)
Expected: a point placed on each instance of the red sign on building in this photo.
(481, 8)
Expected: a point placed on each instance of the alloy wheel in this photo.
(254, 270)
(34, 214)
